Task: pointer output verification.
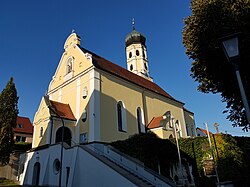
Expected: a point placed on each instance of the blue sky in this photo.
(32, 35)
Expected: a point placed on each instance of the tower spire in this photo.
(133, 24)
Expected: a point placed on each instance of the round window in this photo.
(56, 166)
(137, 53)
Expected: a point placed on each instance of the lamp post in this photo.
(61, 155)
(231, 50)
(171, 121)
(177, 145)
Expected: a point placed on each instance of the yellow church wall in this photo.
(84, 103)
(113, 90)
(159, 105)
(162, 133)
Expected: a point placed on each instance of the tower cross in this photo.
(133, 23)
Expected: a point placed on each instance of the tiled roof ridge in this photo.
(99, 62)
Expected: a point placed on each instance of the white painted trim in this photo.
(142, 125)
(94, 106)
(60, 95)
(70, 81)
(124, 117)
(78, 100)
(78, 95)
(34, 135)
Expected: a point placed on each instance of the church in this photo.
(91, 99)
(101, 101)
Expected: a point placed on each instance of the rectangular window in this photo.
(23, 139)
(18, 138)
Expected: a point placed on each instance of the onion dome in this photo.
(135, 37)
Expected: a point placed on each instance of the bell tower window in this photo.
(145, 66)
(137, 53)
(130, 54)
(131, 67)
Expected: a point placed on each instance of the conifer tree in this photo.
(8, 117)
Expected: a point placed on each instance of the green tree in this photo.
(8, 117)
(211, 20)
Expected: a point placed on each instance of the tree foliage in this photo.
(8, 116)
(210, 21)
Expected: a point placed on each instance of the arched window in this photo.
(137, 53)
(121, 117)
(41, 132)
(69, 65)
(36, 174)
(141, 126)
(131, 67)
(130, 54)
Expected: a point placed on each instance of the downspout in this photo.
(51, 129)
(145, 111)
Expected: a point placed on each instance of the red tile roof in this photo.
(23, 125)
(155, 122)
(203, 130)
(63, 110)
(119, 71)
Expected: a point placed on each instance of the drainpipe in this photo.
(144, 108)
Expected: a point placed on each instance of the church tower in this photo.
(136, 52)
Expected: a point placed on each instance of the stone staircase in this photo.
(135, 177)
